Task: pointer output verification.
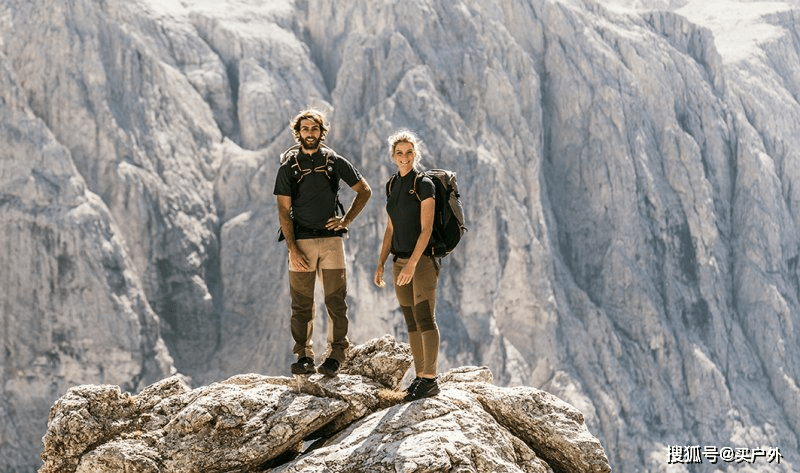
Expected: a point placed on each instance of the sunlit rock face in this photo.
(628, 169)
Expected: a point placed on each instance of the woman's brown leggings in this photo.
(418, 301)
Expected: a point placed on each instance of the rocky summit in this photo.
(353, 422)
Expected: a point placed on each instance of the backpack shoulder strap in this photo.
(420, 175)
(290, 156)
(329, 168)
(329, 153)
(290, 153)
(389, 185)
(296, 173)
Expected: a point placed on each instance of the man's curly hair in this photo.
(310, 114)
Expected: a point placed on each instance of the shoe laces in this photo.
(411, 387)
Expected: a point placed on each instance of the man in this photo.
(306, 190)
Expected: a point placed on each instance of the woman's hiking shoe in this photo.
(304, 365)
(426, 387)
(413, 385)
(329, 367)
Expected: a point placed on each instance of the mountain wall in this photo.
(630, 181)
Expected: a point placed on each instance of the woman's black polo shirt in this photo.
(403, 208)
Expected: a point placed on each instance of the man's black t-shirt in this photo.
(404, 210)
(315, 201)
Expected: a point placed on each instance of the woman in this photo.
(410, 205)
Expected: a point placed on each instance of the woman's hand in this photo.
(407, 274)
(379, 277)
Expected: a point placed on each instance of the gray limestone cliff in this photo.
(630, 182)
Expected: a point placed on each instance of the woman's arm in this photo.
(384, 254)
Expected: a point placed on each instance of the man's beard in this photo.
(310, 145)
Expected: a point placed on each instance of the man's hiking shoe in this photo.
(329, 367)
(304, 365)
(426, 387)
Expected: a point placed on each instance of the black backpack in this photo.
(448, 217)
(298, 173)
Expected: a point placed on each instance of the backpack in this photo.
(298, 173)
(448, 216)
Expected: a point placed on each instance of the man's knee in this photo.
(335, 284)
(301, 288)
(336, 303)
(302, 283)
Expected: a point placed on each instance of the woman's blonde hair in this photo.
(405, 136)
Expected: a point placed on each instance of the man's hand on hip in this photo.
(336, 223)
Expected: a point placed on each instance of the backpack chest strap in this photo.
(299, 173)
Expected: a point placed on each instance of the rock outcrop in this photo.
(353, 422)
